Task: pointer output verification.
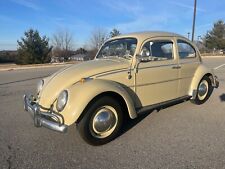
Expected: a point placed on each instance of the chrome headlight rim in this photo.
(62, 100)
(40, 85)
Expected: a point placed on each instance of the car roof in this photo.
(148, 34)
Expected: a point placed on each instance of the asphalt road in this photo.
(180, 136)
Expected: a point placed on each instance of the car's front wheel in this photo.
(204, 91)
(101, 121)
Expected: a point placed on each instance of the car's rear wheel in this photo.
(204, 91)
(101, 121)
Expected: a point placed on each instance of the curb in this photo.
(212, 56)
(33, 67)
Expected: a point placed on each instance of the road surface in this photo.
(180, 136)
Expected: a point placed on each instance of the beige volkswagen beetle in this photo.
(130, 74)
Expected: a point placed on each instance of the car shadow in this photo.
(222, 97)
(130, 123)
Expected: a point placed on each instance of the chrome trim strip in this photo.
(110, 72)
(148, 67)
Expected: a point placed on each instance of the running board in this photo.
(162, 105)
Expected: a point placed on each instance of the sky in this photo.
(81, 17)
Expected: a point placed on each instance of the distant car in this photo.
(221, 52)
(130, 74)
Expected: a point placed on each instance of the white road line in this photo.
(219, 66)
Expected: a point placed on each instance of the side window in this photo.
(185, 50)
(157, 50)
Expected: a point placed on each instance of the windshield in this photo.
(118, 48)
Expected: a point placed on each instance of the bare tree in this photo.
(63, 43)
(98, 37)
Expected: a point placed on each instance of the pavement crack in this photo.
(9, 159)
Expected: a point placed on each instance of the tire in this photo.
(101, 121)
(204, 91)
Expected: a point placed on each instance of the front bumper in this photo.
(47, 118)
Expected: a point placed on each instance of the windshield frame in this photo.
(110, 40)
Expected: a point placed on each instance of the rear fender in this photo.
(200, 72)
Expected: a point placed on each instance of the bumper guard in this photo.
(216, 82)
(47, 118)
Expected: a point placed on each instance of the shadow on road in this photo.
(130, 123)
(222, 97)
(17, 81)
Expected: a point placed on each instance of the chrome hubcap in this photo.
(203, 89)
(104, 122)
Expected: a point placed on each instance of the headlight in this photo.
(62, 100)
(40, 86)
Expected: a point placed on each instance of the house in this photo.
(79, 57)
(57, 59)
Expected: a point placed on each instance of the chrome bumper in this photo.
(48, 118)
(216, 82)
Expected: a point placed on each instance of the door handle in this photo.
(176, 67)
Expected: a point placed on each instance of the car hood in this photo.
(65, 77)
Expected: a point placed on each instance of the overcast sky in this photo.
(82, 16)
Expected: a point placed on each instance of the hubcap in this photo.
(104, 122)
(203, 89)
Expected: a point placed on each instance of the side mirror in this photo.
(144, 55)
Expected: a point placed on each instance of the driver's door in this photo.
(157, 76)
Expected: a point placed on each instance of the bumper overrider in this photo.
(47, 118)
(216, 82)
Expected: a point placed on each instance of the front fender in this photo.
(80, 94)
(199, 73)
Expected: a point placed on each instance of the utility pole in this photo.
(188, 35)
(193, 25)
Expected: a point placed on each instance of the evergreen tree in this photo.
(216, 37)
(33, 49)
(114, 33)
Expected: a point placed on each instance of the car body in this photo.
(131, 74)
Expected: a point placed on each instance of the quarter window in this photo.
(185, 50)
(157, 50)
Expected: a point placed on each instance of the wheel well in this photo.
(210, 76)
(114, 95)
